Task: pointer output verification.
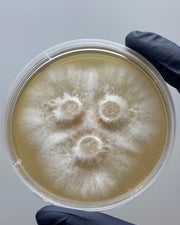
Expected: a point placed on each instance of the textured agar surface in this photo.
(94, 129)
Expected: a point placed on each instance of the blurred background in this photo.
(29, 27)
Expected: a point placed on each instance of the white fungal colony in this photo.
(88, 124)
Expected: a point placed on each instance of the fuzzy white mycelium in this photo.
(88, 124)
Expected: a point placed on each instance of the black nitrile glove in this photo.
(165, 56)
(53, 215)
(162, 53)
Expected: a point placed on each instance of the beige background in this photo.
(29, 27)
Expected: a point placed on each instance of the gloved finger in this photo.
(162, 53)
(53, 215)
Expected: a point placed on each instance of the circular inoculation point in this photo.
(88, 147)
(112, 108)
(69, 108)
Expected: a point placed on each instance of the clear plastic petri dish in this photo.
(71, 48)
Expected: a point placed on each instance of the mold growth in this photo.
(90, 126)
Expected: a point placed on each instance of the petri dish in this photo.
(100, 56)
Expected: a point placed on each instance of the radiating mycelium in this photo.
(89, 127)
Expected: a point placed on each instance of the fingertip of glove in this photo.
(38, 217)
(139, 40)
(132, 38)
(42, 213)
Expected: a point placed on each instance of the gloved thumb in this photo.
(52, 215)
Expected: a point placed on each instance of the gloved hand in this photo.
(162, 53)
(165, 56)
(52, 215)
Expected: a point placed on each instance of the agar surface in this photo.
(88, 125)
